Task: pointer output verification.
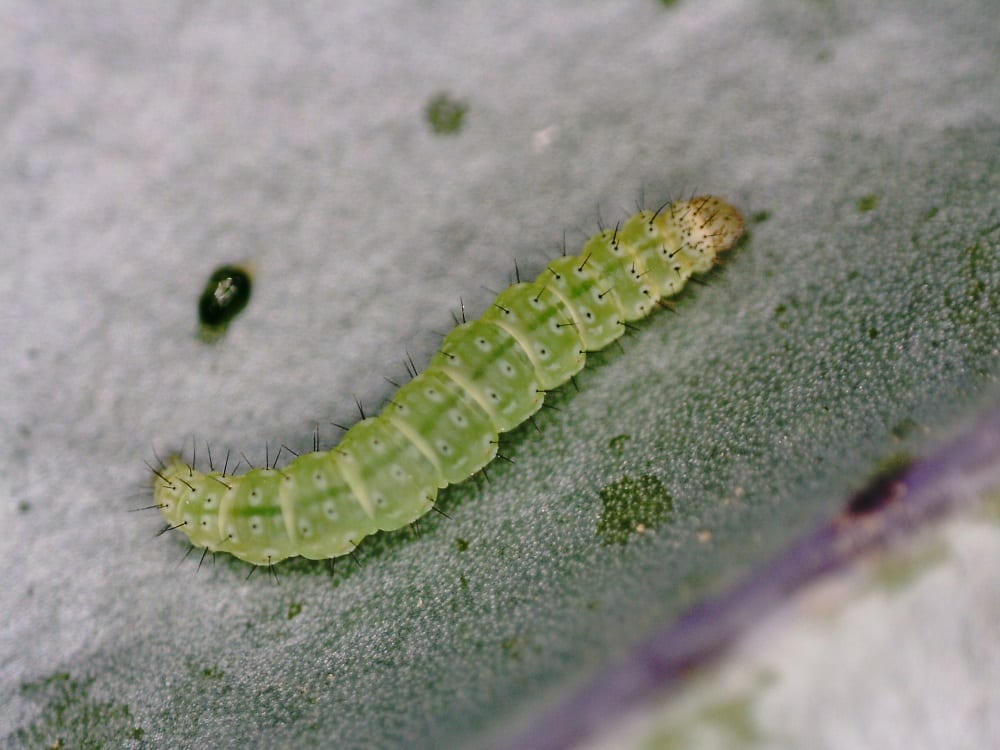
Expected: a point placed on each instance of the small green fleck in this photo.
(617, 443)
(71, 718)
(445, 114)
(225, 295)
(294, 609)
(868, 202)
(779, 311)
(461, 545)
(978, 277)
(24, 506)
(759, 217)
(991, 505)
(892, 465)
(212, 673)
(872, 332)
(633, 506)
(902, 566)
(978, 298)
(731, 719)
(515, 646)
(903, 428)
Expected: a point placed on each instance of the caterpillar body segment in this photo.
(489, 376)
(490, 364)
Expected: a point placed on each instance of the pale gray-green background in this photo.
(143, 144)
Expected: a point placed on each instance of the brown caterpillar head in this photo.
(707, 226)
(716, 222)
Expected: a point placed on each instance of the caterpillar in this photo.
(443, 426)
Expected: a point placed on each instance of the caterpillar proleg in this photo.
(489, 376)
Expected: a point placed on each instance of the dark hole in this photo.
(881, 490)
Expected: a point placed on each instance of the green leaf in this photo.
(858, 321)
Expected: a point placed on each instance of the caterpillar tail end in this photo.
(168, 489)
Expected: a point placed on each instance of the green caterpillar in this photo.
(490, 375)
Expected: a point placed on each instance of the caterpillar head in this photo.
(708, 226)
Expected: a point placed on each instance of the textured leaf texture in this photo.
(144, 146)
